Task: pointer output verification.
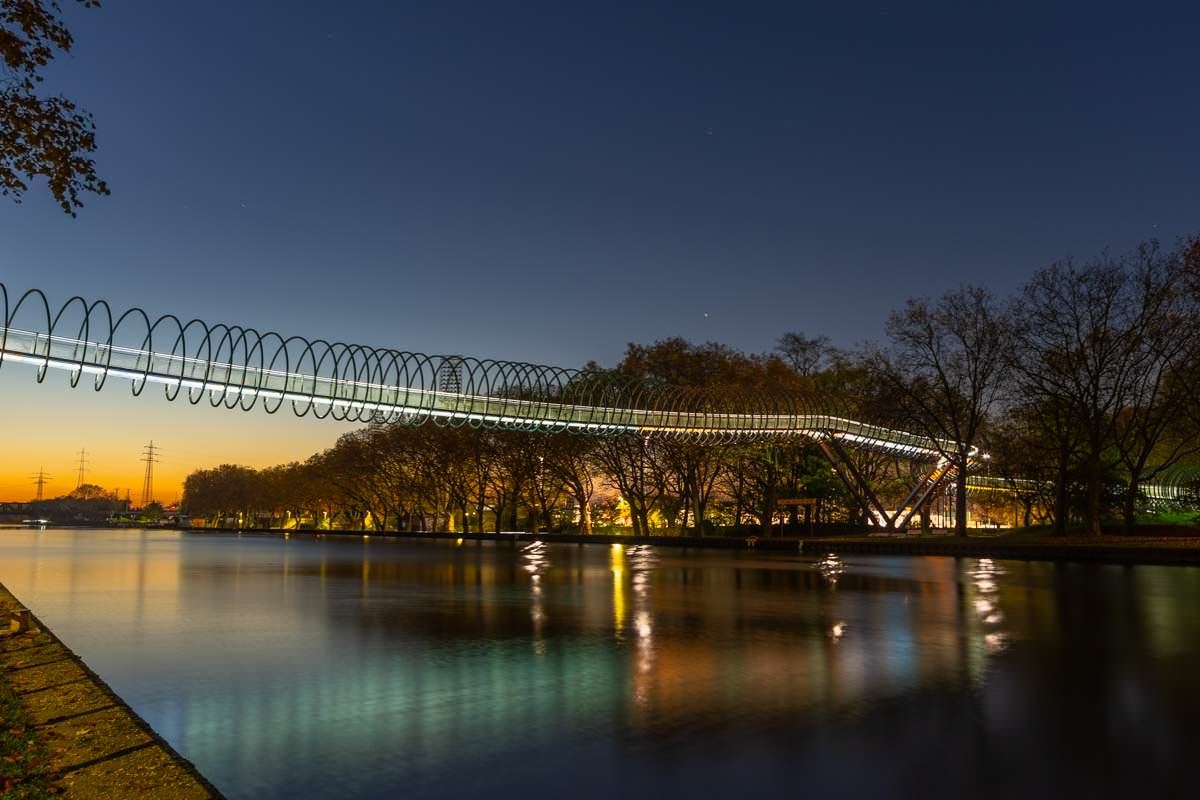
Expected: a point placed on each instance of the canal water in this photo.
(369, 667)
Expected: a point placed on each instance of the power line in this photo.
(83, 462)
(40, 480)
(149, 455)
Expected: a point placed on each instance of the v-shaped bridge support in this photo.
(861, 490)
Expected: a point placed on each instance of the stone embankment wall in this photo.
(92, 744)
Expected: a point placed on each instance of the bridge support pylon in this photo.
(916, 502)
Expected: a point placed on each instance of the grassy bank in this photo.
(23, 754)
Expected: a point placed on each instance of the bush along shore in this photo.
(67, 734)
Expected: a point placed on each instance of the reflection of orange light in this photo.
(618, 570)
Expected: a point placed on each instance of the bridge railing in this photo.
(240, 367)
(245, 385)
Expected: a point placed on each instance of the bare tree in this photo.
(569, 458)
(1101, 343)
(1148, 437)
(692, 469)
(807, 355)
(511, 470)
(945, 361)
(1039, 446)
(626, 462)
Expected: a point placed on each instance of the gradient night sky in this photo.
(550, 182)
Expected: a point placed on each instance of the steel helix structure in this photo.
(243, 368)
(1178, 483)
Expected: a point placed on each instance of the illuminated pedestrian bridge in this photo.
(243, 368)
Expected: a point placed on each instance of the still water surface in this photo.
(307, 667)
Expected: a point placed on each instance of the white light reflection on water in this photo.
(831, 568)
(984, 574)
(642, 563)
(536, 561)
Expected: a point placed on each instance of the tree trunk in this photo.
(585, 515)
(644, 520)
(768, 517)
(960, 498)
(1130, 505)
(1093, 498)
(1061, 499)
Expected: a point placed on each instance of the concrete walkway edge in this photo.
(99, 745)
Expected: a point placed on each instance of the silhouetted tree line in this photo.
(1080, 390)
(394, 477)
(85, 503)
(1082, 387)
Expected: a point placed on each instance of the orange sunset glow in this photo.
(45, 426)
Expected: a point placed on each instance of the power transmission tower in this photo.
(40, 480)
(450, 375)
(149, 455)
(83, 461)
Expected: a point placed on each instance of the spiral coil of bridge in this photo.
(240, 368)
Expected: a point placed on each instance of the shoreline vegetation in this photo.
(66, 733)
